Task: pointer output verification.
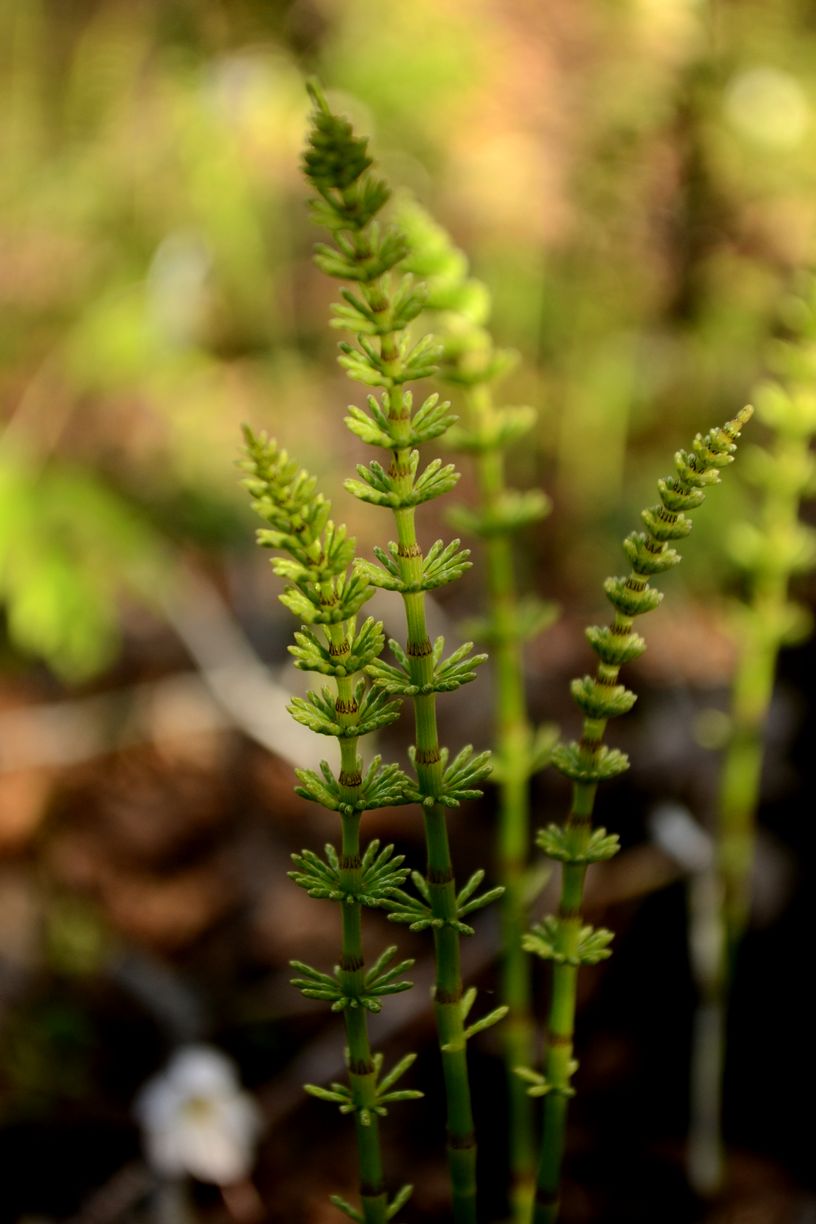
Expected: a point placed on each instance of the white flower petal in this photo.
(197, 1120)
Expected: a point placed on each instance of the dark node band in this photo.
(351, 963)
(372, 1189)
(409, 550)
(590, 745)
(345, 707)
(418, 650)
(440, 877)
(579, 818)
(569, 911)
(461, 1143)
(340, 648)
(361, 1066)
(350, 862)
(399, 469)
(559, 1039)
(448, 996)
(427, 756)
(350, 779)
(635, 584)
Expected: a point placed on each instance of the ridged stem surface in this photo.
(461, 1139)
(561, 1017)
(362, 1072)
(512, 740)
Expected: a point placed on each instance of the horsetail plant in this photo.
(474, 365)
(565, 939)
(384, 356)
(326, 595)
(770, 550)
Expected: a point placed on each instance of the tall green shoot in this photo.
(771, 550)
(384, 356)
(565, 939)
(326, 596)
(473, 365)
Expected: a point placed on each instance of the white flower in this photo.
(197, 1120)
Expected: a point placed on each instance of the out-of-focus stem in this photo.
(512, 740)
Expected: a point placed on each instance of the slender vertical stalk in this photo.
(513, 735)
(771, 550)
(327, 596)
(362, 1070)
(564, 939)
(473, 364)
(448, 992)
(377, 313)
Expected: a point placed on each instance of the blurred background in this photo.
(635, 181)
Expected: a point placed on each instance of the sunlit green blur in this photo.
(630, 178)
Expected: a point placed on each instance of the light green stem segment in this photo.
(561, 1020)
(461, 1137)
(362, 1073)
(739, 793)
(461, 1140)
(751, 696)
(759, 640)
(512, 739)
(725, 915)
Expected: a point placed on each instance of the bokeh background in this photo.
(635, 181)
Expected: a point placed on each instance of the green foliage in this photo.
(460, 779)
(381, 979)
(561, 844)
(602, 698)
(379, 428)
(546, 940)
(418, 912)
(381, 871)
(313, 654)
(448, 674)
(70, 547)
(380, 786)
(443, 563)
(318, 552)
(397, 1203)
(588, 767)
(564, 939)
(318, 711)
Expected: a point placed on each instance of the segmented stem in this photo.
(327, 596)
(569, 943)
(771, 553)
(362, 1072)
(377, 312)
(472, 364)
(513, 735)
(461, 1137)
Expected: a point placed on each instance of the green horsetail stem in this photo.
(327, 597)
(770, 550)
(473, 365)
(564, 939)
(378, 312)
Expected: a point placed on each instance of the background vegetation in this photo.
(634, 182)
